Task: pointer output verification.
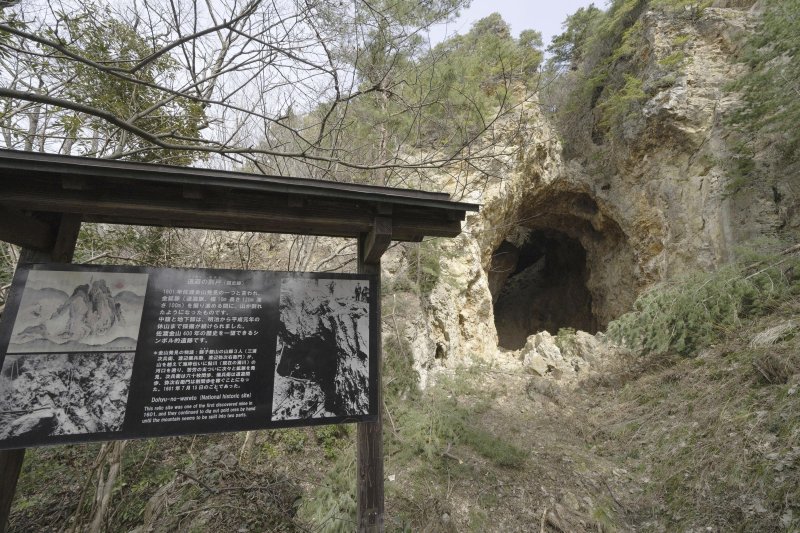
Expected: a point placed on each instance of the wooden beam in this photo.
(23, 230)
(193, 193)
(75, 183)
(66, 238)
(369, 438)
(131, 176)
(228, 201)
(215, 213)
(420, 228)
(230, 212)
(61, 251)
(295, 201)
(377, 240)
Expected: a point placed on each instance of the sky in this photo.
(545, 16)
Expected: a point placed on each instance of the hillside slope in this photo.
(622, 214)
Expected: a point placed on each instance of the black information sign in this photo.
(98, 353)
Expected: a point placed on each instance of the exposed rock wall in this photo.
(665, 172)
(657, 204)
(323, 346)
(674, 149)
(457, 320)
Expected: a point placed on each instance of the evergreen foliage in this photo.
(598, 47)
(332, 504)
(569, 48)
(424, 268)
(437, 421)
(695, 311)
(400, 378)
(100, 37)
(411, 98)
(436, 100)
(770, 90)
(622, 102)
(476, 73)
(595, 63)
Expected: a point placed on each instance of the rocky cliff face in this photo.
(323, 347)
(654, 202)
(669, 165)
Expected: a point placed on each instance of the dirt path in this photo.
(563, 484)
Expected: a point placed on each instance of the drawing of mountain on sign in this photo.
(78, 312)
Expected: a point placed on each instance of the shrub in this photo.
(332, 438)
(565, 339)
(673, 61)
(433, 423)
(622, 103)
(692, 313)
(423, 266)
(331, 507)
(764, 141)
(400, 378)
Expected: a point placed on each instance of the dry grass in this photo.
(715, 439)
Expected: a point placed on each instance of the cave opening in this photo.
(314, 358)
(539, 283)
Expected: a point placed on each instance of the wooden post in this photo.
(61, 251)
(369, 441)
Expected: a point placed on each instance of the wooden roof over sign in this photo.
(120, 192)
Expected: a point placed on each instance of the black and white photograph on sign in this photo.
(322, 354)
(72, 311)
(63, 394)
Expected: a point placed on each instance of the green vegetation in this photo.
(570, 48)
(770, 110)
(94, 33)
(475, 74)
(597, 63)
(599, 48)
(99, 37)
(332, 439)
(439, 420)
(704, 414)
(427, 436)
(565, 339)
(673, 61)
(599, 58)
(437, 100)
(400, 378)
(622, 103)
(714, 435)
(445, 436)
(424, 268)
(331, 506)
(692, 313)
(50, 476)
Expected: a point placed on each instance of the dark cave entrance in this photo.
(540, 284)
(313, 358)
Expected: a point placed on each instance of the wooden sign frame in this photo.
(44, 199)
(182, 351)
